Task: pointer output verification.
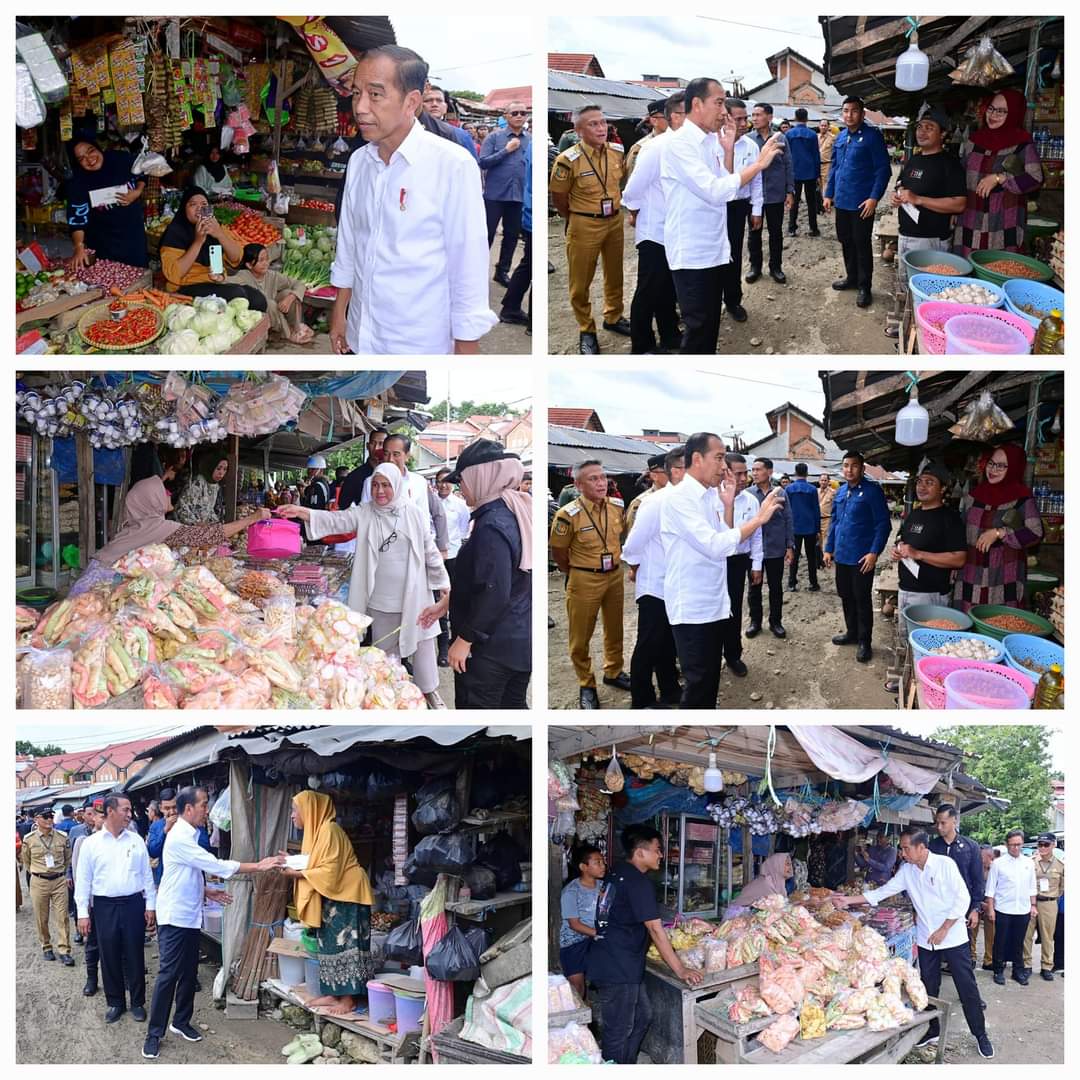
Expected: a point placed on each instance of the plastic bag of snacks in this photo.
(157, 560)
(779, 1033)
(811, 1020)
(613, 776)
(982, 65)
(983, 421)
(715, 952)
(47, 679)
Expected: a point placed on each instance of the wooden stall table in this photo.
(254, 341)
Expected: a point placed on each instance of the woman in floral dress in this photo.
(201, 499)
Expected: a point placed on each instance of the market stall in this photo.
(751, 793)
(966, 415)
(257, 622)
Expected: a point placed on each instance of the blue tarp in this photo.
(351, 385)
(108, 464)
(648, 800)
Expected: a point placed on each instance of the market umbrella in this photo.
(433, 928)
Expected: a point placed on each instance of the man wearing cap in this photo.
(586, 545)
(46, 854)
(932, 542)
(931, 188)
(657, 482)
(1050, 879)
(657, 126)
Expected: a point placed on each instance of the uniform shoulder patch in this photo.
(616, 147)
(570, 509)
(573, 153)
(562, 526)
(616, 502)
(562, 172)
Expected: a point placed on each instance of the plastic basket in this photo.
(1040, 627)
(979, 259)
(925, 288)
(916, 262)
(1037, 650)
(930, 320)
(978, 689)
(1044, 297)
(973, 335)
(931, 672)
(916, 615)
(927, 638)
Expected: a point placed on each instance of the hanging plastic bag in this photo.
(29, 107)
(221, 814)
(983, 420)
(613, 777)
(982, 65)
(273, 179)
(418, 875)
(340, 146)
(227, 134)
(450, 853)
(149, 162)
(436, 814)
(405, 943)
(453, 959)
(502, 855)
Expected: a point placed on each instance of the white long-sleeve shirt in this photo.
(696, 546)
(1011, 884)
(697, 188)
(644, 192)
(937, 892)
(746, 507)
(112, 866)
(180, 895)
(412, 246)
(644, 548)
(746, 153)
(458, 520)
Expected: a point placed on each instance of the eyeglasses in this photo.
(385, 545)
(993, 109)
(517, 112)
(997, 466)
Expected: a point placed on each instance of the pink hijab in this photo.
(145, 508)
(771, 879)
(492, 480)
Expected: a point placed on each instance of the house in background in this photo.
(575, 63)
(660, 82)
(575, 418)
(104, 765)
(796, 436)
(795, 81)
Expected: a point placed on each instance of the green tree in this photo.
(465, 409)
(466, 95)
(1013, 761)
(25, 746)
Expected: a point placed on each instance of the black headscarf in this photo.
(181, 232)
(215, 168)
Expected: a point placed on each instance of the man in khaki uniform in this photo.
(586, 545)
(46, 854)
(825, 141)
(1050, 880)
(658, 479)
(658, 125)
(586, 189)
(826, 495)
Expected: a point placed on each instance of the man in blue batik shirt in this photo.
(502, 157)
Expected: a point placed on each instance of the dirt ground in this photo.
(55, 1024)
(805, 670)
(802, 316)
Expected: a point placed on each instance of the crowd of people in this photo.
(715, 172)
(712, 531)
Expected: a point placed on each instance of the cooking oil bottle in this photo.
(1051, 331)
(1051, 687)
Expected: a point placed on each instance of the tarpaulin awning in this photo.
(329, 740)
(186, 757)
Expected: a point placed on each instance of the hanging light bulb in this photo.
(912, 67)
(714, 778)
(912, 422)
(1056, 73)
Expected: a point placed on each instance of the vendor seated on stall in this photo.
(213, 175)
(878, 860)
(772, 878)
(578, 908)
(185, 253)
(284, 295)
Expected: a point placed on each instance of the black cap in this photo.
(45, 811)
(656, 107)
(938, 115)
(1048, 838)
(932, 468)
(656, 462)
(478, 453)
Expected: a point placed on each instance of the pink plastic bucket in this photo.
(276, 539)
(410, 1011)
(983, 690)
(382, 1008)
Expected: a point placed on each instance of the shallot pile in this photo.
(967, 294)
(967, 649)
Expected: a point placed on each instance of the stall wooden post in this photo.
(121, 495)
(232, 480)
(279, 98)
(1031, 432)
(84, 466)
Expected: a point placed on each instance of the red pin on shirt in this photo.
(401, 200)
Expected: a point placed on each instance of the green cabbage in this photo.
(248, 320)
(179, 343)
(206, 322)
(238, 303)
(179, 316)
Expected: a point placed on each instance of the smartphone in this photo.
(216, 265)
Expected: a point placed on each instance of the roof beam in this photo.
(870, 38)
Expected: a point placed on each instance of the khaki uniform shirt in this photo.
(36, 849)
(589, 176)
(1052, 876)
(631, 156)
(587, 530)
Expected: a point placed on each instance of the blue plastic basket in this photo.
(927, 638)
(1029, 647)
(1045, 297)
(925, 288)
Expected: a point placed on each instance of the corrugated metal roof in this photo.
(617, 453)
(586, 84)
(619, 100)
(598, 440)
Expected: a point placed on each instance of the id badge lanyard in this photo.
(607, 205)
(50, 860)
(607, 559)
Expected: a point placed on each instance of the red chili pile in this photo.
(134, 329)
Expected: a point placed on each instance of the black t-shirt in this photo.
(627, 900)
(938, 176)
(931, 530)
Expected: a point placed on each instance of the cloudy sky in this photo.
(687, 46)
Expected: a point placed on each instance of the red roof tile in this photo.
(502, 97)
(578, 63)
(579, 418)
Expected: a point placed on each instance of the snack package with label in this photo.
(68, 619)
(614, 780)
(779, 1033)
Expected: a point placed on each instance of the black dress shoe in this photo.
(90, 989)
(793, 586)
(813, 232)
(840, 284)
(138, 1013)
(551, 267)
(752, 277)
(588, 344)
(813, 588)
(67, 960)
(509, 315)
(622, 326)
(988, 967)
(864, 654)
(793, 232)
(588, 698)
(1046, 976)
(982, 1004)
(737, 312)
(78, 939)
(753, 630)
(777, 630)
(502, 277)
(737, 667)
(1021, 979)
(114, 1013)
(778, 276)
(671, 345)
(620, 682)
(845, 639)
(444, 661)
(48, 954)
(999, 978)
(864, 299)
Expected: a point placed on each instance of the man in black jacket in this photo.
(351, 490)
(965, 853)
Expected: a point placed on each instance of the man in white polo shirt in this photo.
(941, 900)
(1011, 893)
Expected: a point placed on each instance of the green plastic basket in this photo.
(1040, 627)
(38, 598)
(980, 258)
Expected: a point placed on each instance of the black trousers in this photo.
(1009, 931)
(701, 295)
(810, 187)
(509, 213)
(487, 684)
(654, 298)
(774, 578)
(856, 238)
(654, 651)
(738, 566)
(120, 925)
(807, 542)
(1059, 942)
(92, 950)
(256, 300)
(774, 222)
(625, 1015)
(738, 211)
(963, 976)
(178, 952)
(699, 647)
(444, 622)
(521, 278)
(856, 591)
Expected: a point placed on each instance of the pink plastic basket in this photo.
(967, 689)
(931, 672)
(930, 318)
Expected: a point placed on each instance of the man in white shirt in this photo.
(698, 535)
(654, 293)
(1011, 892)
(697, 172)
(941, 900)
(114, 878)
(412, 255)
(748, 559)
(643, 552)
(747, 204)
(179, 910)
(458, 520)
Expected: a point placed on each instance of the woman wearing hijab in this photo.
(333, 897)
(213, 175)
(491, 605)
(200, 501)
(284, 295)
(113, 230)
(1002, 522)
(1003, 169)
(145, 508)
(185, 252)
(396, 568)
(772, 878)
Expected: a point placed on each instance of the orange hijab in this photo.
(333, 871)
